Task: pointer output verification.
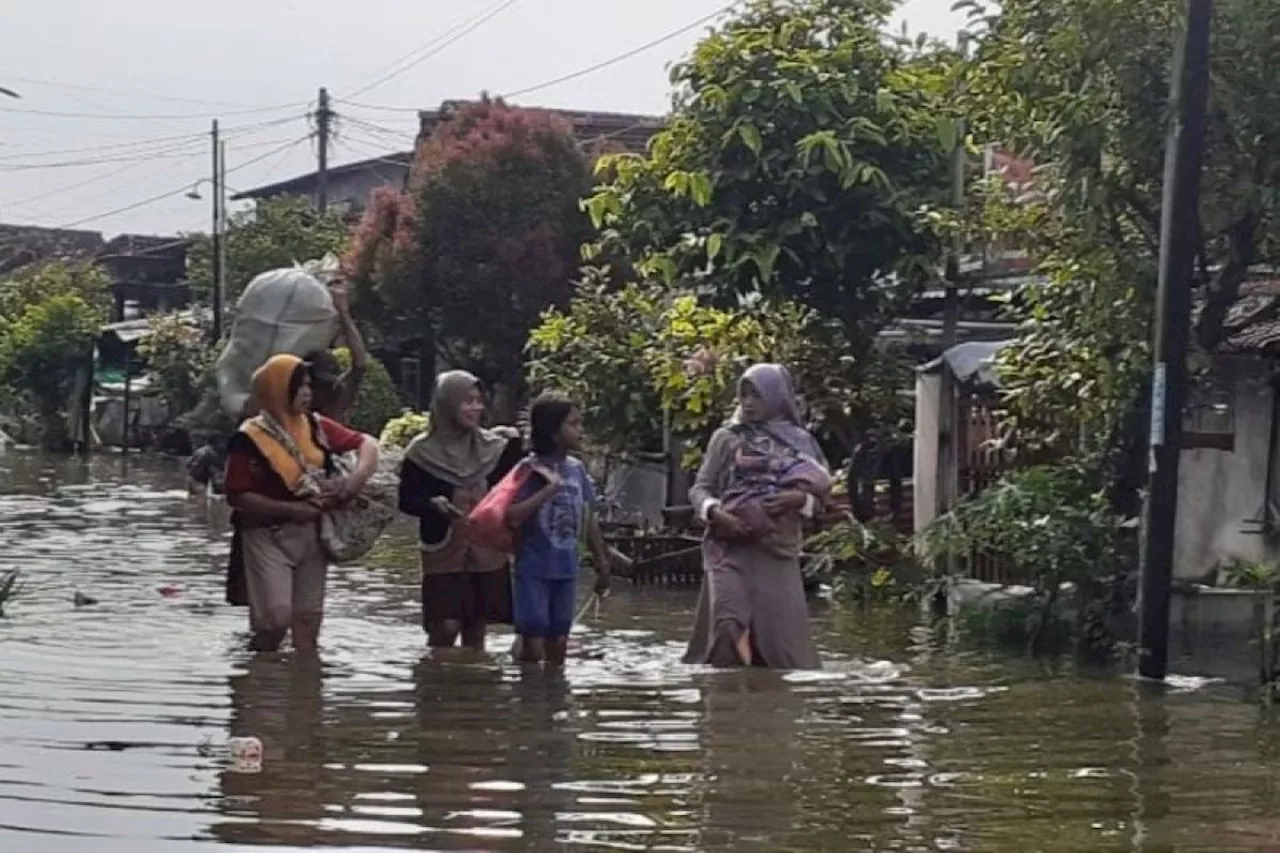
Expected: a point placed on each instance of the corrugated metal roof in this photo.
(1253, 321)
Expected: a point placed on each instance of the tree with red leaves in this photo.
(484, 241)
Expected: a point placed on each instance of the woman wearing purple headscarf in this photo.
(763, 474)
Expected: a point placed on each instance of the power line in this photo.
(378, 108)
(186, 186)
(136, 157)
(79, 86)
(286, 147)
(274, 167)
(622, 57)
(79, 184)
(430, 43)
(371, 153)
(372, 141)
(141, 146)
(159, 117)
(380, 130)
(139, 143)
(234, 131)
(440, 43)
(80, 202)
(131, 164)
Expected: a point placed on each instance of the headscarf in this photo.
(448, 451)
(781, 414)
(276, 423)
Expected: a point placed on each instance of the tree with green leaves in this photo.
(804, 154)
(632, 354)
(180, 361)
(44, 347)
(377, 401)
(49, 316)
(38, 282)
(274, 233)
(803, 150)
(1081, 88)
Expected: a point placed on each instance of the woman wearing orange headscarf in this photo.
(277, 479)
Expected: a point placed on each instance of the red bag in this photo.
(489, 517)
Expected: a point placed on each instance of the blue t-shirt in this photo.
(549, 539)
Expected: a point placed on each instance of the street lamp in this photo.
(219, 229)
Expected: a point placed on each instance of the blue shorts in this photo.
(544, 608)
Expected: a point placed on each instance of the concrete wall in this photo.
(925, 478)
(1221, 493)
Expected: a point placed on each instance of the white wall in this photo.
(925, 481)
(1221, 493)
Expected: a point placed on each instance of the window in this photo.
(1208, 421)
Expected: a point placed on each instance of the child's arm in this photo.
(599, 554)
(521, 511)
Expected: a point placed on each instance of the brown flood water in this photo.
(903, 743)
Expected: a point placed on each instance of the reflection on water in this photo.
(114, 720)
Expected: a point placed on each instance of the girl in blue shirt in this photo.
(550, 512)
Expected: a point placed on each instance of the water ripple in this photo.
(115, 718)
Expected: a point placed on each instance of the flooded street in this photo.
(114, 719)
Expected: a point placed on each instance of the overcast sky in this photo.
(135, 84)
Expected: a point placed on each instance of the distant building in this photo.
(23, 245)
(148, 273)
(619, 131)
(351, 184)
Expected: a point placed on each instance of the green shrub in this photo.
(1055, 523)
(401, 430)
(378, 400)
(181, 362)
(866, 563)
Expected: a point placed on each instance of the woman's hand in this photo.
(337, 492)
(349, 489)
(726, 525)
(783, 503)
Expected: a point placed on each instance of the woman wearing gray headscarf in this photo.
(446, 472)
(762, 475)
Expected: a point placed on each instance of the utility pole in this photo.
(323, 119)
(951, 300)
(223, 267)
(1179, 215)
(216, 260)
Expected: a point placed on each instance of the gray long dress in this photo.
(746, 586)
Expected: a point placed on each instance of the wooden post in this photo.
(86, 406)
(128, 389)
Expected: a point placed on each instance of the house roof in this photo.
(21, 245)
(631, 132)
(1253, 322)
(304, 184)
(129, 331)
(144, 246)
(972, 362)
